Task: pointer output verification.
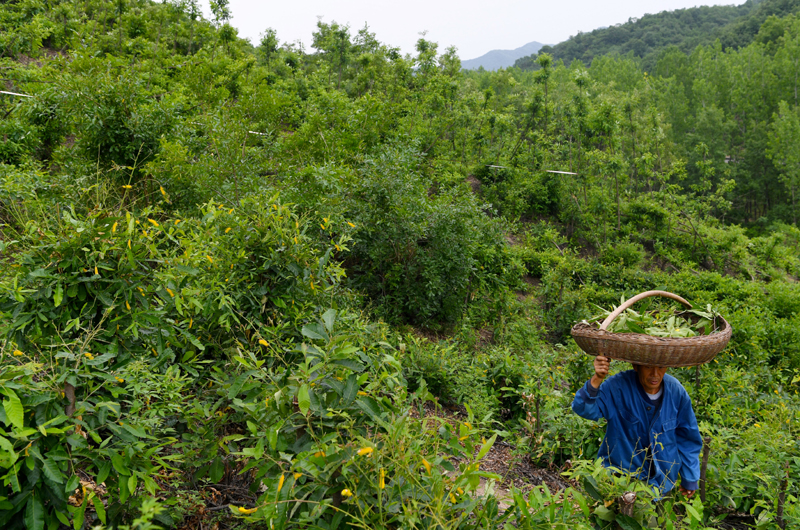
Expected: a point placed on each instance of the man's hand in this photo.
(687, 493)
(601, 366)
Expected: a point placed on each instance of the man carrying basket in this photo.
(651, 429)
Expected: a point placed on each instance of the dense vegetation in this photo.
(238, 275)
(685, 29)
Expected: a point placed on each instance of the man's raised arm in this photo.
(585, 403)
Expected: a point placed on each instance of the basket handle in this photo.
(610, 318)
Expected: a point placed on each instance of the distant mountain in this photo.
(497, 59)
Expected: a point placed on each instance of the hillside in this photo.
(684, 29)
(497, 59)
(249, 287)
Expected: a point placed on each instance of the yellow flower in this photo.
(177, 221)
(365, 451)
(297, 475)
(127, 305)
(463, 438)
(114, 227)
(452, 498)
(323, 227)
(230, 211)
(757, 425)
(129, 243)
(170, 292)
(351, 224)
(152, 222)
(209, 259)
(280, 482)
(347, 493)
(191, 321)
(89, 356)
(337, 247)
(18, 353)
(427, 465)
(362, 393)
(164, 193)
(246, 511)
(319, 454)
(460, 491)
(467, 425)
(119, 379)
(263, 342)
(227, 229)
(382, 479)
(127, 186)
(95, 271)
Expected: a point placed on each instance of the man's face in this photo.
(650, 377)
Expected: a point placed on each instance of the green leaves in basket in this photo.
(658, 324)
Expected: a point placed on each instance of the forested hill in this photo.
(685, 29)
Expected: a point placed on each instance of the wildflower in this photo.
(280, 482)
(227, 229)
(177, 221)
(463, 438)
(337, 247)
(362, 393)
(468, 425)
(246, 511)
(322, 226)
(263, 342)
(365, 451)
(170, 292)
(119, 379)
(295, 240)
(319, 454)
(382, 479)
(191, 321)
(427, 465)
(127, 305)
(460, 491)
(164, 193)
(127, 186)
(18, 353)
(452, 498)
(351, 224)
(89, 356)
(757, 425)
(209, 259)
(152, 222)
(230, 211)
(129, 243)
(114, 227)
(95, 271)
(347, 493)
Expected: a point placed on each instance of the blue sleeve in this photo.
(690, 443)
(587, 403)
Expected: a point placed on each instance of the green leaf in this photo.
(34, 514)
(73, 483)
(627, 523)
(52, 472)
(329, 317)
(590, 485)
(693, 512)
(604, 513)
(7, 454)
(349, 363)
(58, 296)
(13, 408)
(100, 509)
(314, 332)
(486, 447)
(303, 399)
(217, 470)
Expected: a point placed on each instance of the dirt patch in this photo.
(474, 183)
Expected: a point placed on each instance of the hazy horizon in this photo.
(508, 25)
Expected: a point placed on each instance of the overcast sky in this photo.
(474, 27)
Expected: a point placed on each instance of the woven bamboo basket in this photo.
(651, 351)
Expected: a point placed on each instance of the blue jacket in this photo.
(673, 435)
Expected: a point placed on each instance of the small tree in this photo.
(784, 137)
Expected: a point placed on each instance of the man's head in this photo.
(650, 377)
